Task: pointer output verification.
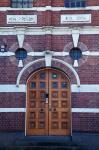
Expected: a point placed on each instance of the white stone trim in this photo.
(35, 54)
(20, 64)
(84, 88)
(74, 110)
(20, 32)
(75, 36)
(25, 68)
(20, 39)
(43, 59)
(90, 53)
(86, 30)
(71, 68)
(43, 53)
(5, 54)
(12, 88)
(85, 110)
(12, 110)
(76, 63)
(39, 54)
(48, 58)
(46, 8)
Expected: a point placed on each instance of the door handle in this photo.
(54, 109)
(46, 97)
(41, 110)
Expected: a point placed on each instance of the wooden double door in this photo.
(48, 103)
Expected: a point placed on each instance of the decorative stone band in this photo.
(12, 110)
(50, 8)
(49, 30)
(20, 32)
(38, 54)
(73, 110)
(85, 110)
(84, 88)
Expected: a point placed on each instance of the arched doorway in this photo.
(48, 110)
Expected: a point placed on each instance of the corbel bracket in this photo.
(20, 32)
(75, 36)
(48, 57)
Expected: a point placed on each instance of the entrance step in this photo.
(47, 138)
(44, 143)
(45, 148)
(42, 139)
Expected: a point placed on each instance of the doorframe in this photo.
(32, 73)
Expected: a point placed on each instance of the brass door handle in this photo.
(54, 109)
(41, 110)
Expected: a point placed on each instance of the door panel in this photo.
(48, 103)
(59, 100)
(37, 109)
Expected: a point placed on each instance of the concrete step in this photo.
(44, 148)
(39, 140)
(44, 143)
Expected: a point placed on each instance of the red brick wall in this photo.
(81, 122)
(12, 121)
(12, 100)
(5, 3)
(85, 100)
(54, 3)
(85, 122)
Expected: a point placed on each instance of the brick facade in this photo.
(44, 17)
(88, 69)
(12, 122)
(43, 3)
(83, 122)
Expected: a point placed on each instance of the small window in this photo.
(74, 3)
(75, 53)
(22, 3)
(21, 53)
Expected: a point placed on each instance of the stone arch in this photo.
(56, 63)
